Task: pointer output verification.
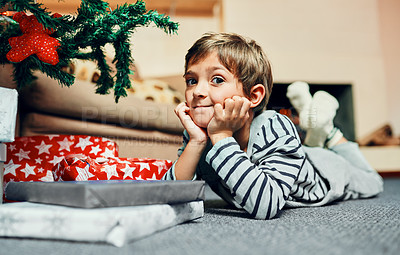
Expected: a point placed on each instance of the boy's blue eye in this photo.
(217, 80)
(190, 82)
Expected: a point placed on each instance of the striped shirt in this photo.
(274, 169)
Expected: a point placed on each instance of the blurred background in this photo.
(349, 48)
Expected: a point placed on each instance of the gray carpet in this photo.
(370, 226)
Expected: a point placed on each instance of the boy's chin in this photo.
(202, 123)
(202, 119)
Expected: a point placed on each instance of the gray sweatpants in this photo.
(346, 170)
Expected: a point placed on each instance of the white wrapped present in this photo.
(114, 225)
(8, 114)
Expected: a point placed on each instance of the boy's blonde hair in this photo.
(243, 57)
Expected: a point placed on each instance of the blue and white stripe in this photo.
(274, 169)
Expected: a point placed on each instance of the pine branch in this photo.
(94, 26)
(23, 72)
(105, 81)
(8, 28)
(123, 61)
(56, 73)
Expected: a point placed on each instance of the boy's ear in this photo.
(257, 94)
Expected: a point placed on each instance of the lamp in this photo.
(8, 115)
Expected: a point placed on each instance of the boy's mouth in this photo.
(201, 106)
(202, 109)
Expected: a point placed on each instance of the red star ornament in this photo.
(35, 40)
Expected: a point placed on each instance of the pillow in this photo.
(156, 91)
(146, 89)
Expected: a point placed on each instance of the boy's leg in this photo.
(317, 119)
(351, 152)
(346, 180)
(364, 181)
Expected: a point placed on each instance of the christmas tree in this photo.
(48, 42)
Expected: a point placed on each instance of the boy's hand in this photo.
(196, 133)
(228, 118)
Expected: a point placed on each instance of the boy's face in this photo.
(208, 82)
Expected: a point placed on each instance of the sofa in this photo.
(142, 126)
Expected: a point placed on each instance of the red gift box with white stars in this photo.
(33, 158)
(75, 158)
(82, 168)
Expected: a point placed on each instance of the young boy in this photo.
(253, 158)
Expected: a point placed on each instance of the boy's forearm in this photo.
(186, 165)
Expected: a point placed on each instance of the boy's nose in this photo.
(201, 89)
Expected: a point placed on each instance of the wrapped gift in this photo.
(8, 114)
(83, 168)
(2, 159)
(33, 158)
(114, 225)
(94, 194)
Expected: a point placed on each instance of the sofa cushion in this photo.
(6, 76)
(137, 143)
(80, 101)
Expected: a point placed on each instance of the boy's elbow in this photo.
(264, 217)
(267, 214)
